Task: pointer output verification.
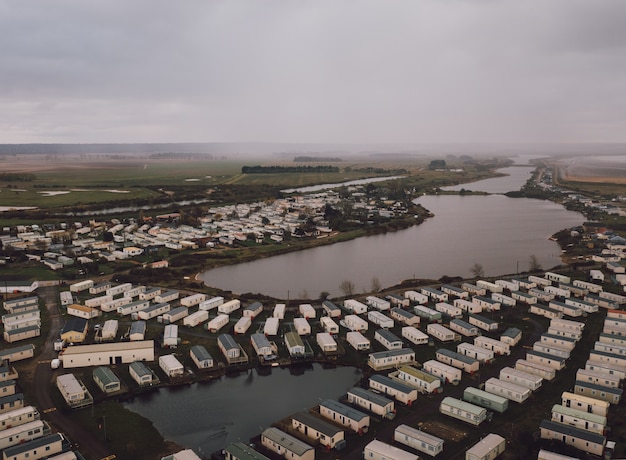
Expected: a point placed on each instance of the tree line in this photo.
(288, 169)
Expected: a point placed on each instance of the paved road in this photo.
(90, 446)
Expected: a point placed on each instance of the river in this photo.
(496, 231)
(206, 417)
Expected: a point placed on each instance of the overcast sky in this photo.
(347, 71)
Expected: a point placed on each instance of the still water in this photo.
(206, 417)
(498, 232)
(516, 177)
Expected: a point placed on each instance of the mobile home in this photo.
(486, 303)
(613, 339)
(307, 311)
(133, 307)
(416, 378)
(331, 310)
(355, 323)
(484, 399)
(18, 417)
(557, 277)
(261, 345)
(474, 289)
(580, 439)
(211, 303)
(399, 301)
(455, 291)
(609, 358)
(507, 390)
(377, 303)
(525, 379)
(416, 297)
(388, 339)
(271, 326)
(255, 309)
(483, 322)
(358, 341)
(511, 336)
(372, 402)
(380, 319)
(590, 287)
(565, 343)
(418, 440)
(579, 419)
(242, 325)
(606, 369)
(285, 445)
(464, 411)
(427, 313)
(468, 306)
(566, 309)
(502, 299)
(511, 285)
(463, 327)
(279, 311)
(611, 395)
(229, 307)
(378, 450)
(449, 310)
(196, 318)
(446, 373)
(541, 295)
(355, 307)
(399, 391)
(489, 286)
(601, 301)
(524, 297)
(458, 360)
(539, 281)
(488, 448)
(201, 357)
(555, 362)
(551, 349)
(498, 347)
(479, 353)
(442, 333)
(585, 403)
(153, 311)
(175, 314)
(404, 316)
(192, 300)
(326, 342)
(344, 415)
(302, 326)
(586, 375)
(390, 359)
(319, 430)
(434, 294)
(610, 348)
(567, 324)
(557, 291)
(545, 372)
(557, 330)
(414, 335)
(217, 323)
(329, 325)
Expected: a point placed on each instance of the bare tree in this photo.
(477, 270)
(533, 264)
(303, 294)
(375, 284)
(347, 287)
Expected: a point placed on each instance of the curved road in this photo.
(90, 446)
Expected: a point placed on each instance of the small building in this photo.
(167, 296)
(555, 362)
(271, 325)
(106, 379)
(286, 445)
(449, 310)
(428, 314)
(404, 316)
(196, 318)
(551, 350)
(354, 307)
(344, 415)
(485, 399)
(109, 329)
(153, 311)
(105, 354)
(478, 353)
(17, 353)
(585, 403)
(418, 440)
(486, 303)
(170, 336)
(241, 451)
(217, 323)
(377, 303)
(229, 307)
(507, 390)
(606, 369)
(355, 323)
(434, 294)
(211, 303)
(192, 300)
(171, 366)
(261, 345)
(564, 343)
(416, 297)
(230, 348)
(319, 430)
(454, 291)
(358, 341)
(604, 380)
(175, 314)
(398, 300)
(74, 330)
(51, 444)
(327, 323)
(133, 307)
(488, 448)
(99, 288)
(498, 347)
(23, 333)
(378, 450)
(464, 411)
(137, 331)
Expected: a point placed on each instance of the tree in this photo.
(477, 270)
(375, 284)
(347, 287)
(324, 295)
(533, 264)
